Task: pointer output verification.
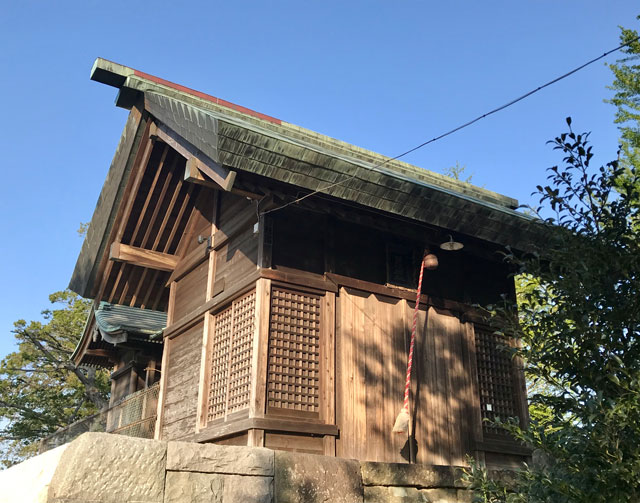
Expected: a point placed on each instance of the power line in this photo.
(466, 124)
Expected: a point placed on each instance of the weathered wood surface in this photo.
(85, 272)
(142, 257)
(370, 360)
(445, 385)
(234, 440)
(219, 174)
(242, 423)
(396, 188)
(192, 259)
(293, 443)
(181, 388)
(191, 290)
(372, 338)
(237, 259)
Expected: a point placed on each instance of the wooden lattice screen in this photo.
(293, 374)
(230, 362)
(495, 378)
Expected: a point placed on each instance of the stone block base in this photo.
(105, 468)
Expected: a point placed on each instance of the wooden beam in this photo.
(222, 176)
(271, 424)
(120, 252)
(124, 207)
(193, 175)
(101, 353)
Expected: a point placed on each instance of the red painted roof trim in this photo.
(206, 97)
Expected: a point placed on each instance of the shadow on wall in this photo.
(372, 347)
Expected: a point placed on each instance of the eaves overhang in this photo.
(247, 141)
(111, 325)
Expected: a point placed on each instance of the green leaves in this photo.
(578, 318)
(40, 388)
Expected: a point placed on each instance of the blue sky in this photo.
(382, 75)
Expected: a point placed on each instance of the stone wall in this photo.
(104, 468)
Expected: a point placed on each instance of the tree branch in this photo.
(91, 392)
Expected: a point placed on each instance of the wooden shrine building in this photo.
(267, 318)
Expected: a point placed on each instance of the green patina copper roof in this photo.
(254, 144)
(116, 321)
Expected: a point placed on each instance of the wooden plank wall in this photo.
(238, 259)
(181, 390)
(372, 335)
(190, 291)
(445, 417)
(370, 361)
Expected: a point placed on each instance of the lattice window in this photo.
(230, 362)
(294, 351)
(241, 353)
(495, 378)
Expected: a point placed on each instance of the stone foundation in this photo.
(104, 468)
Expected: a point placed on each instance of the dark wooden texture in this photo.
(496, 380)
(372, 340)
(293, 369)
(310, 242)
(294, 443)
(191, 290)
(399, 189)
(308, 428)
(95, 243)
(193, 258)
(234, 440)
(181, 391)
(237, 259)
(161, 216)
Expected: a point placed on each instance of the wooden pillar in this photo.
(205, 377)
(166, 348)
(257, 401)
(328, 369)
(255, 438)
(133, 379)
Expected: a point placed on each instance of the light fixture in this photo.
(451, 245)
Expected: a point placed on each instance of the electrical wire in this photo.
(462, 126)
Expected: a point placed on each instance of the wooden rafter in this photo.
(156, 242)
(183, 207)
(152, 222)
(143, 211)
(139, 165)
(218, 173)
(147, 200)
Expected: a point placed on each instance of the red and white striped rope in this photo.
(413, 337)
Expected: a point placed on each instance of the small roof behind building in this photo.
(113, 324)
(117, 323)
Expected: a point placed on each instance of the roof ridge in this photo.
(120, 76)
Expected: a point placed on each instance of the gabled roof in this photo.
(243, 142)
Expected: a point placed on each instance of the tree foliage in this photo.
(41, 389)
(626, 85)
(578, 317)
(458, 172)
(579, 321)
